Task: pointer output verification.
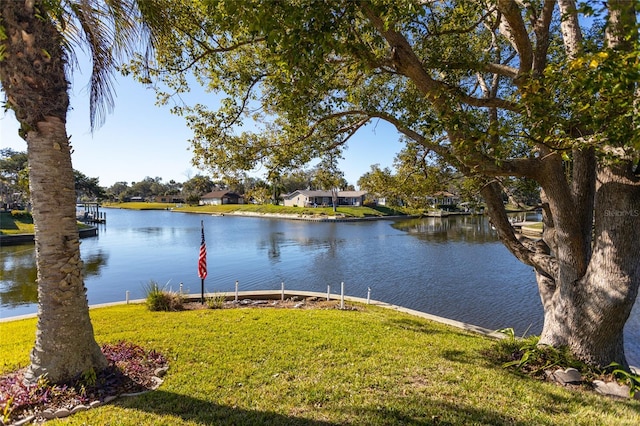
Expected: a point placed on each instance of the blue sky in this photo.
(140, 139)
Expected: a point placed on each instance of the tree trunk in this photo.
(65, 346)
(588, 314)
(33, 78)
(334, 199)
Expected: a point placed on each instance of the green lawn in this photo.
(20, 223)
(16, 223)
(346, 211)
(321, 367)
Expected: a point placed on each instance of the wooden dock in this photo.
(89, 212)
(529, 228)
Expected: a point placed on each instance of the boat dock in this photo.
(89, 212)
(528, 228)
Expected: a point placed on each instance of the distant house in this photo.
(221, 197)
(307, 198)
(443, 198)
(169, 199)
(383, 201)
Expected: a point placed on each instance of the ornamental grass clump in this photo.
(216, 301)
(160, 299)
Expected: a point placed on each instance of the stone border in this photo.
(572, 377)
(61, 413)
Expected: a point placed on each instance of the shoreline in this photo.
(323, 214)
(288, 294)
(16, 239)
(308, 218)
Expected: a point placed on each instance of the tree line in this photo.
(413, 179)
(14, 184)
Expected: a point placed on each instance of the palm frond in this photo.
(109, 32)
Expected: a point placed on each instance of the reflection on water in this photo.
(453, 267)
(94, 262)
(18, 276)
(472, 229)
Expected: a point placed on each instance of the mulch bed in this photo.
(290, 303)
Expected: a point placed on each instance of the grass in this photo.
(537, 226)
(17, 222)
(142, 205)
(320, 367)
(347, 211)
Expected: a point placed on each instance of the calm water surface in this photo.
(452, 267)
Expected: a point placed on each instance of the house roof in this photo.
(219, 194)
(309, 193)
(351, 193)
(443, 194)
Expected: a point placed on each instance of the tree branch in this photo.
(518, 34)
(500, 69)
(571, 33)
(529, 253)
(541, 29)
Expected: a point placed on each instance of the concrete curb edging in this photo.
(278, 294)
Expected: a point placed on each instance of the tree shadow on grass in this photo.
(431, 412)
(416, 325)
(196, 410)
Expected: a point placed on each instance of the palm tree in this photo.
(37, 39)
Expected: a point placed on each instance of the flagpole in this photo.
(202, 263)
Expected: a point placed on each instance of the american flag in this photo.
(202, 259)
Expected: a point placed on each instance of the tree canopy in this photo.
(543, 90)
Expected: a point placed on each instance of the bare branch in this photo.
(501, 69)
(541, 29)
(517, 33)
(571, 32)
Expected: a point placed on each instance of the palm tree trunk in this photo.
(65, 345)
(33, 77)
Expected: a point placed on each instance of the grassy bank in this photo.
(13, 223)
(16, 222)
(321, 367)
(346, 211)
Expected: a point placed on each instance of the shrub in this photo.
(216, 301)
(22, 215)
(160, 299)
(527, 356)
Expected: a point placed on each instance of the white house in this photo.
(307, 198)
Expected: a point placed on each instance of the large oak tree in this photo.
(496, 88)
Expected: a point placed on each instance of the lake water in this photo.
(452, 267)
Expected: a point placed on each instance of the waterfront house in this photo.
(169, 199)
(221, 197)
(443, 199)
(308, 198)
